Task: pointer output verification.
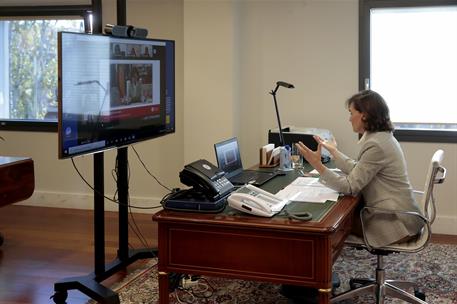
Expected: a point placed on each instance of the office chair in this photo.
(380, 287)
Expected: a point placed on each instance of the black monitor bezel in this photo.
(162, 132)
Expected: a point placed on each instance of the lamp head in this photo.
(285, 84)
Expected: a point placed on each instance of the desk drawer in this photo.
(243, 253)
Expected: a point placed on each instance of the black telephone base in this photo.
(192, 200)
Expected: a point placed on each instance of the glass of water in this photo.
(297, 158)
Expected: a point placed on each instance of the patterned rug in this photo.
(434, 268)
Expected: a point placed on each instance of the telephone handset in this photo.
(253, 200)
(207, 178)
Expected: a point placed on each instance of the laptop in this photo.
(229, 160)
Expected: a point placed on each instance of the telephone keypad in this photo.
(222, 184)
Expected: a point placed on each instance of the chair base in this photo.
(381, 288)
(389, 288)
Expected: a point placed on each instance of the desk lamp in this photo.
(286, 85)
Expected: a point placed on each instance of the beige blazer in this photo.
(380, 175)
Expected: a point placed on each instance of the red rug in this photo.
(434, 268)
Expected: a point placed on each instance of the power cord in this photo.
(147, 170)
(132, 224)
(168, 195)
(115, 175)
(192, 288)
(106, 197)
(300, 216)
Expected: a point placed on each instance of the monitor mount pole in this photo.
(90, 284)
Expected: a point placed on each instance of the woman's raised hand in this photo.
(312, 157)
(330, 145)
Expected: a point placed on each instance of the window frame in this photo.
(407, 135)
(83, 11)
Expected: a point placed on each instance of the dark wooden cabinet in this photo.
(17, 180)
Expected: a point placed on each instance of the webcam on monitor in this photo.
(127, 31)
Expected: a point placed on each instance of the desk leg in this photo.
(163, 288)
(325, 295)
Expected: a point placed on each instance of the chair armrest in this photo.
(440, 179)
(387, 211)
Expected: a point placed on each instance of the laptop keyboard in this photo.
(249, 176)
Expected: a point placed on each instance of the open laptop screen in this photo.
(228, 156)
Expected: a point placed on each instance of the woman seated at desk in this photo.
(379, 173)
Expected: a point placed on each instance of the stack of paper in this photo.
(336, 170)
(308, 189)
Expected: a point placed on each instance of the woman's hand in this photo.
(330, 145)
(312, 157)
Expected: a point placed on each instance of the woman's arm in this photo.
(341, 161)
(370, 163)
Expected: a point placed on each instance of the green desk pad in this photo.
(318, 210)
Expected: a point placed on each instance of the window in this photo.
(28, 63)
(408, 54)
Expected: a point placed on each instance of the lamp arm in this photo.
(275, 90)
(281, 138)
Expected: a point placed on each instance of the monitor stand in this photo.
(90, 284)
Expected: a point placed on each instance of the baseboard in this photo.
(85, 201)
(445, 224)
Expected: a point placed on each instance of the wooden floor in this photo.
(43, 245)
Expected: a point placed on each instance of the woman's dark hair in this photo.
(375, 110)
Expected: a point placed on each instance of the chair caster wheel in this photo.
(353, 285)
(419, 294)
(357, 283)
(59, 297)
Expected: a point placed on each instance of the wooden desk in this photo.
(17, 180)
(235, 245)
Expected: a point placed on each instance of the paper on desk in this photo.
(307, 189)
(336, 170)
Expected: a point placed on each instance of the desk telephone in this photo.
(253, 200)
(207, 178)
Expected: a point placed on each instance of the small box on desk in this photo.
(305, 135)
(269, 156)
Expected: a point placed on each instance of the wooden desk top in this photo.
(328, 224)
(11, 160)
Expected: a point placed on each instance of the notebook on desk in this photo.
(229, 160)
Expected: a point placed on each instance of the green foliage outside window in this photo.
(33, 65)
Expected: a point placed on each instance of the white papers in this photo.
(336, 170)
(308, 189)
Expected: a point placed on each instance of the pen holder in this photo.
(285, 163)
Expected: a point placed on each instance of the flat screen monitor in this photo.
(113, 91)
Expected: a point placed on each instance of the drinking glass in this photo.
(297, 158)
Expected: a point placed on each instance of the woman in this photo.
(379, 173)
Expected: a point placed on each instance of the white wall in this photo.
(229, 56)
(57, 183)
(209, 77)
(312, 44)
